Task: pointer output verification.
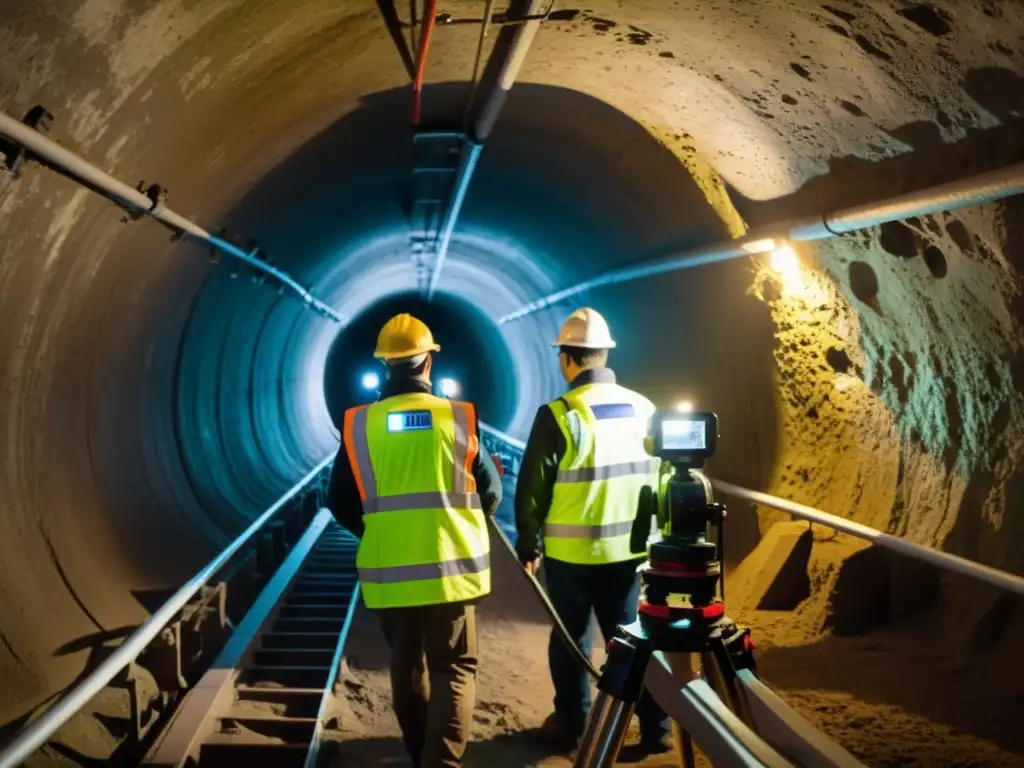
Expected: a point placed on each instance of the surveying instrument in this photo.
(682, 612)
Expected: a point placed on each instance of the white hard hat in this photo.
(585, 328)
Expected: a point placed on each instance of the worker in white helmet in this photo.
(579, 490)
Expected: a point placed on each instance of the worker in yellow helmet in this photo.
(411, 482)
(580, 488)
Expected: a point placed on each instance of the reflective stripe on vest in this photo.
(607, 472)
(399, 573)
(602, 475)
(421, 547)
(568, 531)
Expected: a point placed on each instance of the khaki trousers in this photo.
(433, 679)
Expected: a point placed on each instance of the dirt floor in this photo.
(889, 696)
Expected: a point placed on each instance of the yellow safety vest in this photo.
(426, 538)
(598, 488)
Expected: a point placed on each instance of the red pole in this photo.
(429, 12)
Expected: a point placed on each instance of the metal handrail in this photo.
(497, 434)
(950, 562)
(37, 733)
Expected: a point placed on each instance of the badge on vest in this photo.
(409, 421)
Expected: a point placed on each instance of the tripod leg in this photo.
(619, 690)
(686, 747)
(683, 672)
(720, 673)
(606, 729)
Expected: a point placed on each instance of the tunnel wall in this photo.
(152, 404)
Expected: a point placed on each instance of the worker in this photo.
(580, 488)
(411, 482)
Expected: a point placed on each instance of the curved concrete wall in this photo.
(153, 403)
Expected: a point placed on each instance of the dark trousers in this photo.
(612, 593)
(433, 679)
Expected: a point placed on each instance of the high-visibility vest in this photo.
(600, 479)
(426, 538)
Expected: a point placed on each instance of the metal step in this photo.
(284, 702)
(313, 599)
(321, 597)
(284, 657)
(324, 568)
(335, 565)
(289, 611)
(318, 587)
(293, 730)
(273, 641)
(230, 752)
(293, 676)
(437, 133)
(330, 582)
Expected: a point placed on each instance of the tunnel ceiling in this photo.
(152, 403)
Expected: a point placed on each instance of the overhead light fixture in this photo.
(684, 406)
(370, 381)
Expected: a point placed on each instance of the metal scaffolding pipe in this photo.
(470, 156)
(510, 49)
(57, 157)
(974, 190)
(504, 63)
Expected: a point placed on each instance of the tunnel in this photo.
(156, 398)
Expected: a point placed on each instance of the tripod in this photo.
(681, 614)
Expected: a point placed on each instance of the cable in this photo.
(538, 588)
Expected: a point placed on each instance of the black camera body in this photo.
(685, 440)
(685, 561)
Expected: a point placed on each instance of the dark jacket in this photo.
(536, 482)
(343, 494)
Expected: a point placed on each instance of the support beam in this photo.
(503, 65)
(975, 190)
(467, 166)
(510, 49)
(137, 203)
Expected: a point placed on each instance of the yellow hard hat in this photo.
(403, 337)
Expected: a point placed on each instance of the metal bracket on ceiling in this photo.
(157, 195)
(15, 154)
(499, 19)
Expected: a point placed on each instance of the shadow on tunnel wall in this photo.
(580, 186)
